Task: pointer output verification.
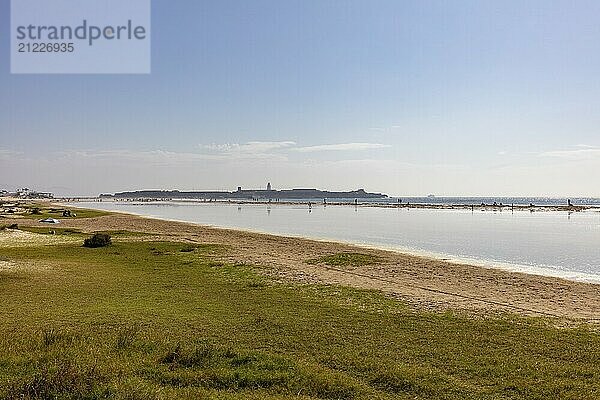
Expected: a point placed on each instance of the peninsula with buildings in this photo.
(26, 193)
(247, 194)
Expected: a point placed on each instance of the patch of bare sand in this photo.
(422, 282)
(7, 265)
(18, 238)
(28, 266)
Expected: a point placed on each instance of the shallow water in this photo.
(549, 243)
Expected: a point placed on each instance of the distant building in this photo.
(40, 195)
(269, 186)
(26, 193)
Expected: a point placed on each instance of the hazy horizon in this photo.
(409, 98)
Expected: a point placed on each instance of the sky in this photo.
(489, 98)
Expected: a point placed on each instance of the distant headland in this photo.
(247, 194)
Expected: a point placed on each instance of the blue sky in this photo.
(404, 97)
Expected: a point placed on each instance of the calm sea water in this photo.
(549, 243)
(539, 201)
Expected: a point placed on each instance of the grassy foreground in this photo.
(145, 320)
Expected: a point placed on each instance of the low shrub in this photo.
(98, 240)
(187, 249)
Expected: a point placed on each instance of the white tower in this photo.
(269, 186)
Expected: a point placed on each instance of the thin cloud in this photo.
(167, 157)
(386, 128)
(124, 154)
(254, 151)
(100, 157)
(580, 152)
(247, 148)
(268, 149)
(342, 147)
(8, 155)
(246, 151)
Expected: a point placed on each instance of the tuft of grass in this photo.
(347, 260)
(126, 337)
(49, 231)
(53, 336)
(187, 249)
(49, 337)
(227, 369)
(122, 233)
(62, 379)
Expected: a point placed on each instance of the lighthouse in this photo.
(269, 186)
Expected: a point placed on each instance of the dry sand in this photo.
(422, 282)
(17, 238)
(7, 265)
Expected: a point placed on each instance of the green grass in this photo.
(150, 320)
(347, 260)
(51, 230)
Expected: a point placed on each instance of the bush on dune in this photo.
(98, 240)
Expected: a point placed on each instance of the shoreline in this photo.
(422, 282)
(318, 202)
(544, 271)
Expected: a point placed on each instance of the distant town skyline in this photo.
(407, 98)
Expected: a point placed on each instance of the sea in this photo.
(562, 244)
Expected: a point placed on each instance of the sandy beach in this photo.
(422, 282)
